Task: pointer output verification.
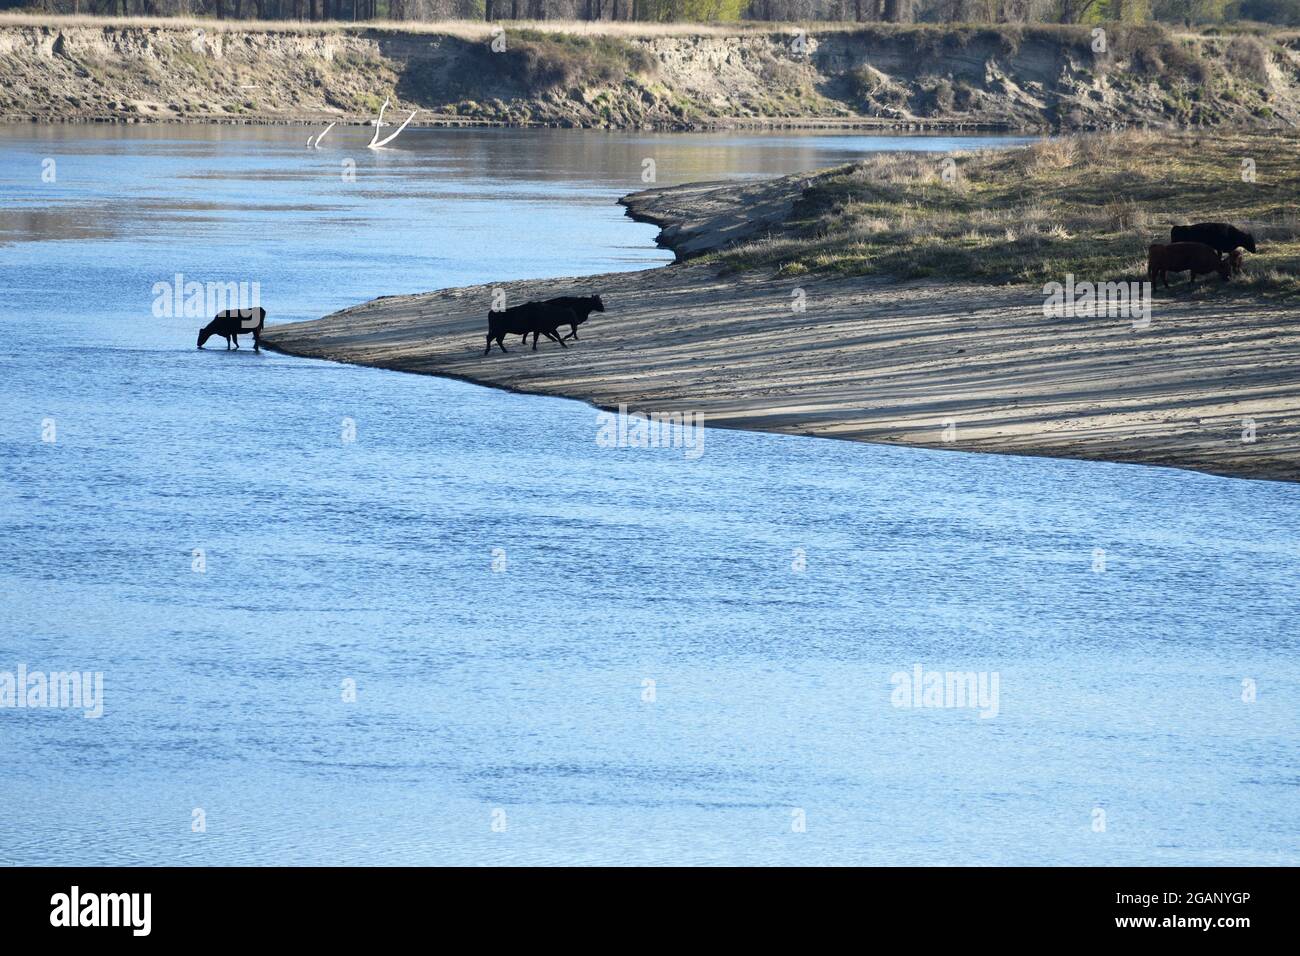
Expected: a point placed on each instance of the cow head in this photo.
(205, 333)
(597, 305)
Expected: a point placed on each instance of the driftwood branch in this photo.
(375, 141)
(315, 144)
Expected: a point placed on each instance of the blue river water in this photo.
(350, 616)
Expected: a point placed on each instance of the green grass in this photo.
(1088, 205)
(547, 61)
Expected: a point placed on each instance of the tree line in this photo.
(1188, 12)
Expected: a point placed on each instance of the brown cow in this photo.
(1193, 257)
(1237, 262)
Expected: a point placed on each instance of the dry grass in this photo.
(1088, 205)
(1048, 154)
(465, 29)
(1126, 214)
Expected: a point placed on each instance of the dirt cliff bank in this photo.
(80, 69)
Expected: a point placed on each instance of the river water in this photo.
(471, 635)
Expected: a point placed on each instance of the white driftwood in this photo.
(316, 144)
(375, 141)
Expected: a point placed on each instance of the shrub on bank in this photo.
(547, 61)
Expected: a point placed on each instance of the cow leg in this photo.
(227, 338)
(257, 340)
(534, 341)
(488, 349)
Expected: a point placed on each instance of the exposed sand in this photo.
(875, 360)
(697, 218)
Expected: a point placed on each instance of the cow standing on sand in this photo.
(233, 323)
(582, 306)
(534, 317)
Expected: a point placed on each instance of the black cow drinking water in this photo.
(582, 306)
(534, 317)
(1219, 236)
(233, 323)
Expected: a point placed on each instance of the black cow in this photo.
(534, 317)
(582, 306)
(233, 323)
(1219, 236)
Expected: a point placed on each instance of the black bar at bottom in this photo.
(333, 906)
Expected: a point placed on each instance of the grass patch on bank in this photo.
(1088, 205)
(546, 61)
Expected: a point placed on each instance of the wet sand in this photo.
(941, 365)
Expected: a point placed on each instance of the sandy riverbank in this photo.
(970, 362)
(875, 360)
